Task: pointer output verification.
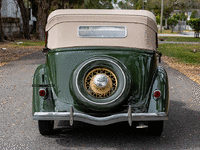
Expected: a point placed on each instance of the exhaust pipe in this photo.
(141, 126)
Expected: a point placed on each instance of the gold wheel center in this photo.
(101, 82)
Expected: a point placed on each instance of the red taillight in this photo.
(42, 92)
(157, 94)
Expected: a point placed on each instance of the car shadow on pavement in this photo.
(30, 59)
(180, 131)
(33, 56)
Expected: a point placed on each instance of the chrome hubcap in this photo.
(101, 80)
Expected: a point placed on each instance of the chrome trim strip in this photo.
(100, 120)
(40, 85)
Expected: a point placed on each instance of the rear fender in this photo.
(160, 83)
(41, 80)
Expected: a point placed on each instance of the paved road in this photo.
(186, 34)
(19, 131)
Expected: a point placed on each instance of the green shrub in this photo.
(195, 25)
(180, 17)
(158, 20)
(194, 14)
(172, 22)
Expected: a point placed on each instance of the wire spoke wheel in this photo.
(100, 91)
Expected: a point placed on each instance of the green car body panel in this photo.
(101, 68)
(41, 80)
(141, 65)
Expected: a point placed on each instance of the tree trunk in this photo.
(34, 6)
(196, 34)
(62, 5)
(1, 30)
(25, 19)
(42, 15)
(166, 27)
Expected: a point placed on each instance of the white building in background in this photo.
(185, 26)
(10, 8)
(10, 11)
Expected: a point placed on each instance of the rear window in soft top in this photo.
(102, 31)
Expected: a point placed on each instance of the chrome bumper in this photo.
(72, 116)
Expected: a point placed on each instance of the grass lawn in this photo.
(183, 52)
(167, 32)
(17, 49)
(28, 43)
(179, 39)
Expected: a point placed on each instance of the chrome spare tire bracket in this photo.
(129, 116)
(71, 116)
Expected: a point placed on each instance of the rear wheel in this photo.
(45, 126)
(155, 127)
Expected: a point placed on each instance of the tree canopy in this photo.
(168, 8)
(180, 16)
(98, 4)
(155, 5)
(42, 8)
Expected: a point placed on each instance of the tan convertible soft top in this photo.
(63, 24)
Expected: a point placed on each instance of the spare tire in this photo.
(100, 83)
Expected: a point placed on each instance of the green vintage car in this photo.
(101, 68)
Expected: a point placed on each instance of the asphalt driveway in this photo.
(19, 131)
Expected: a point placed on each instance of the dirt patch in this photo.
(191, 71)
(10, 52)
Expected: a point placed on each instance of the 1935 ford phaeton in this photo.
(101, 68)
